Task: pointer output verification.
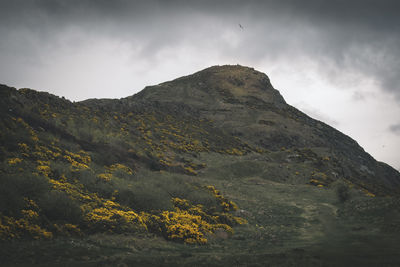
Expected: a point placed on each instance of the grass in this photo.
(289, 225)
(95, 167)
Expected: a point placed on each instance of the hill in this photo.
(214, 168)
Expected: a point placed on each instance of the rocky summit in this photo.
(210, 169)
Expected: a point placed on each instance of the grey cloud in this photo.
(341, 36)
(395, 128)
(358, 96)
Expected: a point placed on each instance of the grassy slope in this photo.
(172, 149)
(289, 225)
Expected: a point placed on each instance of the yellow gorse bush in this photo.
(191, 223)
(14, 161)
(23, 227)
(67, 229)
(105, 176)
(16, 228)
(226, 204)
(182, 226)
(113, 216)
(79, 160)
(119, 166)
(44, 170)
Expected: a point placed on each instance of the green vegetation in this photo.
(342, 191)
(222, 172)
(63, 177)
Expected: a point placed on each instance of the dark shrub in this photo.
(145, 198)
(15, 187)
(203, 197)
(58, 206)
(342, 191)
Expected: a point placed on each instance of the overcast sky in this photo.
(336, 60)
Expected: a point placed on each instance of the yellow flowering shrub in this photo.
(225, 204)
(67, 229)
(14, 161)
(24, 147)
(105, 176)
(30, 214)
(30, 204)
(190, 223)
(190, 170)
(368, 193)
(34, 136)
(79, 161)
(121, 167)
(46, 153)
(318, 179)
(23, 227)
(112, 216)
(75, 191)
(17, 228)
(234, 151)
(44, 170)
(182, 226)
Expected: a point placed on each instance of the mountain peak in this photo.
(217, 86)
(227, 71)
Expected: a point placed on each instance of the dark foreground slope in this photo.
(211, 169)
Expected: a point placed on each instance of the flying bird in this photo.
(241, 27)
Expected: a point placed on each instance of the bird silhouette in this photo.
(241, 27)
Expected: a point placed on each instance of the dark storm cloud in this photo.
(341, 36)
